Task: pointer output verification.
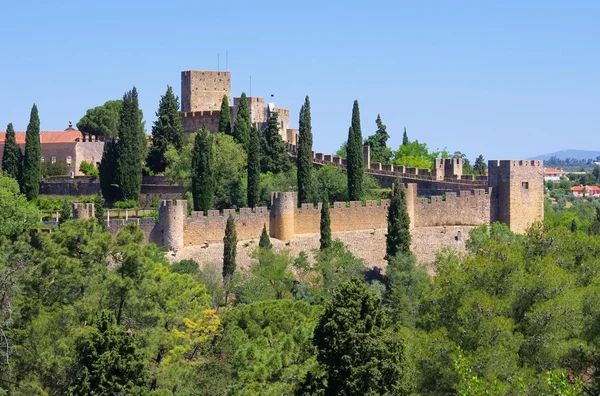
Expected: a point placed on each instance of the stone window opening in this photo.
(525, 185)
(69, 160)
(53, 159)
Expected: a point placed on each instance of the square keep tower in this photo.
(204, 90)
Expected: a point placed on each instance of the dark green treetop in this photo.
(273, 152)
(131, 148)
(355, 162)
(203, 178)
(253, 167)
(325, 225)
(243, 122)
(32, 166)
(405, 137)
(229, 249)
(225, 116)
(265, 242)
(12, 157)
(167, 130)
(304, 154)
(398, 234)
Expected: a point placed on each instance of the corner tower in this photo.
(204, 90)
(517, 192)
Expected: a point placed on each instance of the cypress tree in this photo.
(398, 233)
(273, 152)
(32, 166)
(325, 226)
(12, 157)
(108, 171)
(131, 148)
(480, 166)
(304, 154)
(405, 138)
(573, 225)
(167, 130)
(355, 163)
(229, 249)
(253, 167)
(65, 212)
(225, 116)
(243, 122)
(99, 211)
(203, 179)
(265, 242)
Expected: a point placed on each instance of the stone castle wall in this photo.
(194, 120)
(200, 228)
(204, 90)
(462, 208)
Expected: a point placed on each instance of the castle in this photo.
(514, 196)
(201, 97)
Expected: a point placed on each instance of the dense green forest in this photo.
(86, 313)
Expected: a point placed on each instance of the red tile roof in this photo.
(47, 136)
(587, 188)
(553, 170)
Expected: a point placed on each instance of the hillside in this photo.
(569, 153)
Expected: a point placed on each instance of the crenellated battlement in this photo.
(515, 163)
(242, 213)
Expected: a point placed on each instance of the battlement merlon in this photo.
(515, 163)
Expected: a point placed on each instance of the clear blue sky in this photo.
(507, 79)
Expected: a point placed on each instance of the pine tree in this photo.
(354, 161)
(405, 140)
(273, 152)
(304, 154)
(131, 148)
(12, 158)
(380, 152)
(108, 171)
(203, 179)
(398, 233)
(325, 225)
(243, 122)
(359, 356)
(65, 212)
(254, 167)
(229, 249)
(32, 166)
(265, 242)
(99, 211)
(225, 116)
(480, 166)
(167, 130)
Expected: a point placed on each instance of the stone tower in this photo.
(171, 216)
(282, 219)
(517, 192)
(204, 90)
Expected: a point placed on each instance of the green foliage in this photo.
(243, 122)
(253, 146)
(17, 215)
(229, 170)
(274, 157)
(406, 283)
(99, 211)
(108, 171)
(12, 157)
(126, 204)
(270, 182)
(108, 360)
(185, 267)
(167, 130)
(229, 249)
(270, 278)
(398, 234)
(59, 168)
(332, 181)
(101, 120)
(480, 166)
(325, 225)
(131, 148)
(416, 155)
(31, 171)
(358, 354)
(225, 116)
(265, 241)
(355, 161)
(203, 171)
(304, 154)
(89, 169)
(380, 152)
(405, 138)
(65, 212)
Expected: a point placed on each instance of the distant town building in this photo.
(63, 146)
(552, 174)
(586, 191)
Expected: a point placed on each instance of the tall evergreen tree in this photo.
(99, 211)
(273, 152)
(229, 249)
(131, 148)
(243, 122)
(380, 152)
(203, 179)
(325, 226)
(12, 157)
(480, 165)
(32, 167)
(265, 241)
(405, 140)
(304, 154)
(167, 130)
(354, 161)
(109, 180)
(359, 356)
(253, 167)
(398, 233)
(225, 116)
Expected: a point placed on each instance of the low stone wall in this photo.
(199, 228)
(354, 217)
(464, 208)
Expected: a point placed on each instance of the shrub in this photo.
(185, 267)
(128, 204)
(59, 168)
(89, 169)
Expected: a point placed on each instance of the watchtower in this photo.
(204, 90)
(282, 219)
(517, 192)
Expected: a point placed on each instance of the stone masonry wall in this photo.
(87, 151)
(464, 208)
(204, 90)
(199, 228)
(343, 218)
(192, 121)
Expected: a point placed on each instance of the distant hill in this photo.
(569, 153)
